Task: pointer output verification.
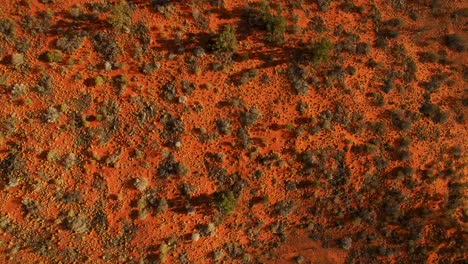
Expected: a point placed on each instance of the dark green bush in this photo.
(107, 46)
(226, 40)
(53, 56)
(320, 50)
(121, 16)
(171, 167)
(7, 27)
(262, 17)
(455, 42)
(227, 202)
(70, 42)
(324, 5)
(249, 118)
(428, 57)
(297, 75)
(223, 126)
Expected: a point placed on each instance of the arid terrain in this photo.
(219, 131)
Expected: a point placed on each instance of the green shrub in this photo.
(99, 81)
(455, 42)
(121, 16)
(320, 50)
(53, 56)
(227, 202)
(7, 27)
(70, 42)
(276, 28)
(226, 40)
(263, 19)
(107, 46)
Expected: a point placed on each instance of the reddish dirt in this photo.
(332, 183)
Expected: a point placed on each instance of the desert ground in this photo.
(229, 131)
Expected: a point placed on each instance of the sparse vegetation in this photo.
(262, 17)
(53, 56)
(121, 16)
(320, 50)
(163, 131)
(226, 40)
(227, 202)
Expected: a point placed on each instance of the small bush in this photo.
(171, 167)
(17, 59)
(70, 43)
(400, 120)
(244, 136)
(223, 126)
(45, 85)
(121, 16)
(162, 206)
(435, 83)
(297, 75)
(143, 33)
(324, 5)
(99, 81)
(276, 28)
(428, 57)
(227, 202)
(381, 43)
(318, 24)
(7, 28)
(411, 68)
(283, 208)
(226, 40)
(249, 118)
(169, 92)
(455, 42)
(320, 50)
(53, 56)
(120, 83)
(389, 84)
(106, 45)
(52, 115)
(363, 48)
(263, 19)
(37, 25)
(434, 112)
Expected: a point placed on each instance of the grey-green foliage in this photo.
(226, 40)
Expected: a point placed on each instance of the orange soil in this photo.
(107, 191)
